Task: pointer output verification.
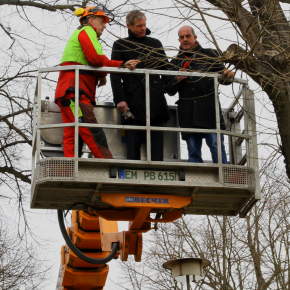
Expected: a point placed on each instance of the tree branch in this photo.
(39, 5)
(15, 143)
(12, 127)
(15, 113)
(16, 173)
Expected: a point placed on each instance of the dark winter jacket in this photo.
(131, 87)
(196, 104)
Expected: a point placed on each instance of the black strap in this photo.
(86, 72)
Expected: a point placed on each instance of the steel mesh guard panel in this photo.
(55, 168)
(243, 176)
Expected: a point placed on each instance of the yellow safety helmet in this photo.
(99, 10)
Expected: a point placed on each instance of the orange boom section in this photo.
(74, 273)
(95, 231)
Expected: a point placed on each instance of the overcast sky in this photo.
(46, 39)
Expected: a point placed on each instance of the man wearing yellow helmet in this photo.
(84, 48)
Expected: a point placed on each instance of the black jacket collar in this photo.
(132, 35)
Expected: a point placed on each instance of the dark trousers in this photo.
(134, 139)
(194, 143)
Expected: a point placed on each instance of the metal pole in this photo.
(77, 74)
(252, 143)
(34, 131)
(247, 125)
(136, 71)
(148, 139)
(187, 282)
(38, 117)
(218, 128)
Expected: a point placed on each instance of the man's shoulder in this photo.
(178, 58)
(127, 42)
(85, 27)
(121, 42)
(125, 39)
(153, 41)
(210, 52)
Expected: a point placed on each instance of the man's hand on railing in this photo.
(122, 106)
(131, 64)
(180, 78)
(228, 74)
(102, 82)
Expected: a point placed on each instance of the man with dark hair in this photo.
(129, 90)
(84, 48)
(196, 104)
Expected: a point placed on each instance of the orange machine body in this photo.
(94, 232)
(75, 274)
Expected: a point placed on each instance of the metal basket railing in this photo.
(226, 175)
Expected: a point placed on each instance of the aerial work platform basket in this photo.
(114, 188)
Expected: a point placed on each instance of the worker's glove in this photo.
(127, 114)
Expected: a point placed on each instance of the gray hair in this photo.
(192, 30)
(130, 18)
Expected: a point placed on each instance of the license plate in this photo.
(147, 175)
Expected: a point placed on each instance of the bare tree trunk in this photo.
(281, 103)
